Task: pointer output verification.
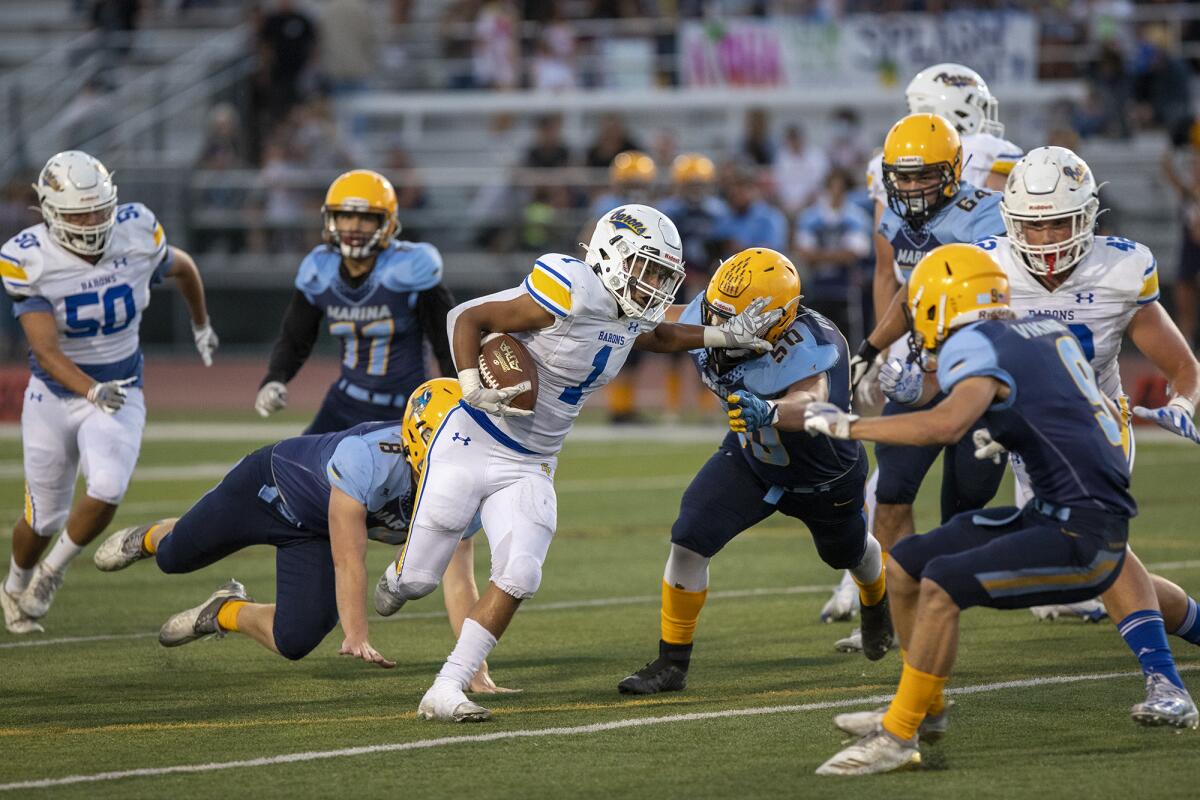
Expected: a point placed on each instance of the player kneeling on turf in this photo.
(767, 463)
(1030, 381)
(317, 499)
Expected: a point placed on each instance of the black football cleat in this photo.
(877, 636)
(660, 675)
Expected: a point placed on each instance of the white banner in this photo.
(860, 50)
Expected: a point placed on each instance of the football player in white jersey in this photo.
(1101, 288)
(579, 321)
(79, 284)
(959, 95)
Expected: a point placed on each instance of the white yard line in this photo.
(574, 730)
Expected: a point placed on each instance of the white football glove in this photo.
(867, 394)
(272, 397)
(1175, 416)
(986, 446)
(110, 395)
(901, 380)
(828, 419)
(206, 341)
(860, 363)
(493, 401)
(743, 331)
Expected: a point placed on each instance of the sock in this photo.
(1190, 629)
(228, 613)
(474, 644)
(18, 577)
(62, 553)
(1146, 636)
(937, 706)
(148, 544)
(869, 574)
(680, 612)
(915, 694)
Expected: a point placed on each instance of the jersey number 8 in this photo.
(1085, 379)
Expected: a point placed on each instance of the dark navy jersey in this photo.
(811, 346)
(971, 215)
(1055, 417)
(366, 462)
(376, 321)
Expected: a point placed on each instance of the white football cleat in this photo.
(122, 549)
(860, 723)
(843, 604)
(876, 752)
(1165, 704)
(36, 599)
(446, 702)
(387, 602)
(15, 620)
(200, 621)
(851, 644)
(1088, 611)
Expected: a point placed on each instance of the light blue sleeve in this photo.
(351, 468)
(691, 314)
(970, 354)
(413, 267)
(986, 219)
(313, 276)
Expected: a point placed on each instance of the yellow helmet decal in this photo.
(954, 285)
(749, 275)
(427, 406)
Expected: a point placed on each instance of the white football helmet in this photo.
(1051, 183)
(957, 94)
(639, 255)
(73, 182)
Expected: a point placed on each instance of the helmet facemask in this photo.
(917, 206)
(84, 239)
(357, 244)
(637, 254)
(650, 284)
(1053, 258)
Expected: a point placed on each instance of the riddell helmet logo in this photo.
(736, 279)
(958, 81)
(622, 220)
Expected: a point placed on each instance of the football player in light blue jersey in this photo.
(80, 282)
(316, 499)
(382, 298)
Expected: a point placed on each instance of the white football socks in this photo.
(18, 577)
(867, 570)
(474, 644)
(62, 553)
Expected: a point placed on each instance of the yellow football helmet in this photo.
(916, 145)
(692, 168)
(427, 406)
(632, 166)
(952, 286)
(361, 191)
(742, 279)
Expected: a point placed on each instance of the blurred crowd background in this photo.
(500, 123)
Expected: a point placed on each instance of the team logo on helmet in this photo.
(50, 179)
(621, 219)
(957, 81)
(1076, 172)
(420, 402)
(736, 279)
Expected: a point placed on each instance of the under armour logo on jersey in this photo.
(1085, 297)
(466, 440)
(120, 262)
(633, 327)
(35, 396)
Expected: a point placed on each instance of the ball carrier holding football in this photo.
(572, 324)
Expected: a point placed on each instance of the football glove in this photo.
(1175, 416)
(493, 401)
(828, 419)
(861, 363)
(901, 380)
(110, 395)
(206, 341)
(272, 397)
(987, 447)
(748, 412)
(743, 331)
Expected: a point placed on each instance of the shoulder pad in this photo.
(566, 286)
(141, 228)
(1129, 267)
(317, 270)
(410, 266)
(968, 353)
(806, 353)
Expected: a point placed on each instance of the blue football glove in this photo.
(901, 380)
(1175, 416)
(748, 413)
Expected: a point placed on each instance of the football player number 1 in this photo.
(1085, 379)
(378, 333)
(573, 394)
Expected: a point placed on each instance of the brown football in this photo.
(504, 362)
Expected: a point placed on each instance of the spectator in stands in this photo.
(554, 62)
(349, 46)
(223, 150)
(542, 225)
(456, 30)
(314, 131)
(1181, 168)
(833, 242)
(115, 21)
(751, 221)
(846, 149)
(410, 191)
(799, 171)
(496, 53)
(696, 211)
(286, 205)
(1161, 79)
(548, 151)
(756, 141)
(1109, 80)
(611, 138)
(287, 39)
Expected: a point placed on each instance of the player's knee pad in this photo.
(295, 643)
(520, 577)
(686, 569)
(843, 551)
(699, 534)
(107, 486)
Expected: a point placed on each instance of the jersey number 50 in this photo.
(113, 298)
